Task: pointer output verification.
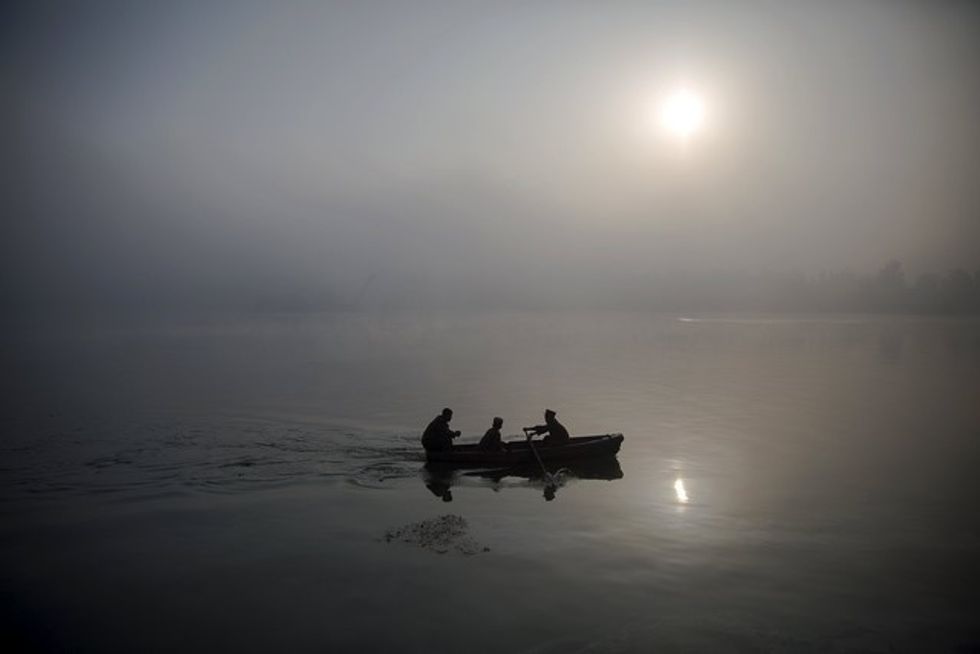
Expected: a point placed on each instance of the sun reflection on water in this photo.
(680, 491)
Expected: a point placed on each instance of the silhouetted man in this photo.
(491, 439)
(555, 432)
(438, 435)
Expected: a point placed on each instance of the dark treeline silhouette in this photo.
(889, 290)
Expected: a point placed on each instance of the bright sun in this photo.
(682, 113)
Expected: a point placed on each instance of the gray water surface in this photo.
(804, 484)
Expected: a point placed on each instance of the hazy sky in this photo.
(229, 149)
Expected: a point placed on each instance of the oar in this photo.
(548, 479)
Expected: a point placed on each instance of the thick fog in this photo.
(313, 155)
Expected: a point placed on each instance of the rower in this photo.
(491, 439)
(438, 435)
(555, 432)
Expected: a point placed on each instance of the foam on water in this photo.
(441, 535)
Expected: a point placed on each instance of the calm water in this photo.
(206, 485)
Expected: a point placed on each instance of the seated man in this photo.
(491, 439)
(438, 435)
(555, 432)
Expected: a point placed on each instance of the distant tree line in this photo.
(889, 290)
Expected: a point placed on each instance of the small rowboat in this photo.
(518, 452)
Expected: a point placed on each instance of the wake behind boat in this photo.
(519, 452)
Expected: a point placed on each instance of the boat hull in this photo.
(518, 452)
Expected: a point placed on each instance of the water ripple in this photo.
(210, 455)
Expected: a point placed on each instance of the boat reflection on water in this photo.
(440, 478)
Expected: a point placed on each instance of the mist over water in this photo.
(306, 156)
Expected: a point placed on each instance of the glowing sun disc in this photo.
(682, 113)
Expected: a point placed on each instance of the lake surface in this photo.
(786, 484)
